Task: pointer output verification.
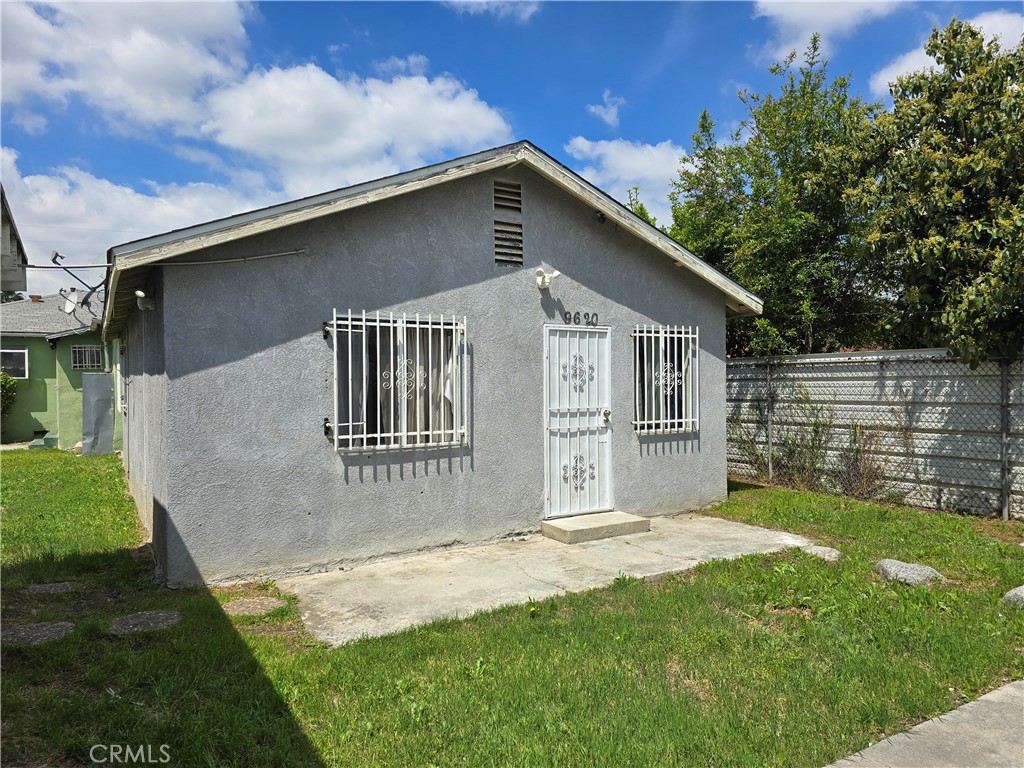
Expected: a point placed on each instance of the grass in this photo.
(781, 660)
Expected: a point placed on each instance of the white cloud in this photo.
(617, 165)
(795, 22)
(409, 65)
(31, 123)
(1003, 25)
(137, 63)
(609, 110)
(319, 132)
(81, 216)
(178, 71)
(517, 10)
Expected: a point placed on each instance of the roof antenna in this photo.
(55, 258)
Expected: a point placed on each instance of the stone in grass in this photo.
(907, 573)
(34, 634)
(51, 588)
(1015, 596)
(252, 606)
(827, 554)
(144, 622)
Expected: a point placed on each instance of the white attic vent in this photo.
(508, 196)
(508, 243)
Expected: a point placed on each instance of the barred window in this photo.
(666, 382)
(15, 362)
(86, 356)
(399, 380)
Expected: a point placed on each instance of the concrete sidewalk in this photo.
(385, 597)
(986, 733)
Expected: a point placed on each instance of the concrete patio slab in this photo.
(384, 597)
(986, 733)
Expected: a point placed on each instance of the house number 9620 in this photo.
(576, 318)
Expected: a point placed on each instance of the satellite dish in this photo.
(70, 301)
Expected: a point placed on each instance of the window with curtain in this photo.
(15, 362)
(666, 382)
(399, 380)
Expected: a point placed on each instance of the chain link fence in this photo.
(917, 427)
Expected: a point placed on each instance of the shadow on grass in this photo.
(194, 693)
(743, 485)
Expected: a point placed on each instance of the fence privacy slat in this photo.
(936, 433)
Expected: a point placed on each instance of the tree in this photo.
(707, 198)
(7, 296)
(764, 209)
(635, 204)
(941, 179)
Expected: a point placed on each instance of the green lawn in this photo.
(759, 661)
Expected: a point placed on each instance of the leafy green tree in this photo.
(764, 208)
(635, 204)
(708, 196)
(941, 179)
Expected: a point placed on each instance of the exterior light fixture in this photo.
(143, 302)
(544, 278)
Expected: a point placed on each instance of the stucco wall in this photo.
(51, 398)
(35, 404)
(252, 484)
(144, 446)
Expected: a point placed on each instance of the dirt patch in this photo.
(802, 611)
(252, 606)
(680, 681)
(295, 637)
(1011, 532)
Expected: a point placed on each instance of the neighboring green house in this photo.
(47, 343)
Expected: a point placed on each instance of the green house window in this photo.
(15, 362)
(86, 357)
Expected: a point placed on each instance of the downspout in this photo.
(56, 387)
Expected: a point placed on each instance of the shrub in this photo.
(8, 391)
(800, 453)
(860, 471)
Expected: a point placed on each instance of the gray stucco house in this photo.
(444, 356)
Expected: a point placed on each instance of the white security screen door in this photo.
(577, 412)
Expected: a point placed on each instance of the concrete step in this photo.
(601, 525)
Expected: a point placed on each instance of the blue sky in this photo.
(127, 119)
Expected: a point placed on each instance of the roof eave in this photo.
(141, 253)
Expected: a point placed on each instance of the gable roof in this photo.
(46, 318)
(128, 259)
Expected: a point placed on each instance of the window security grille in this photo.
(15, 362)
(508, 195)
(85, 357)
(666, 393)
(399, 380)
(508, 243)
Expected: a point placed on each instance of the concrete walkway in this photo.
(986, 733)
(385, 597)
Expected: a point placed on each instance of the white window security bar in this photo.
(666, 380)
(86, 356)
(399, 380)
